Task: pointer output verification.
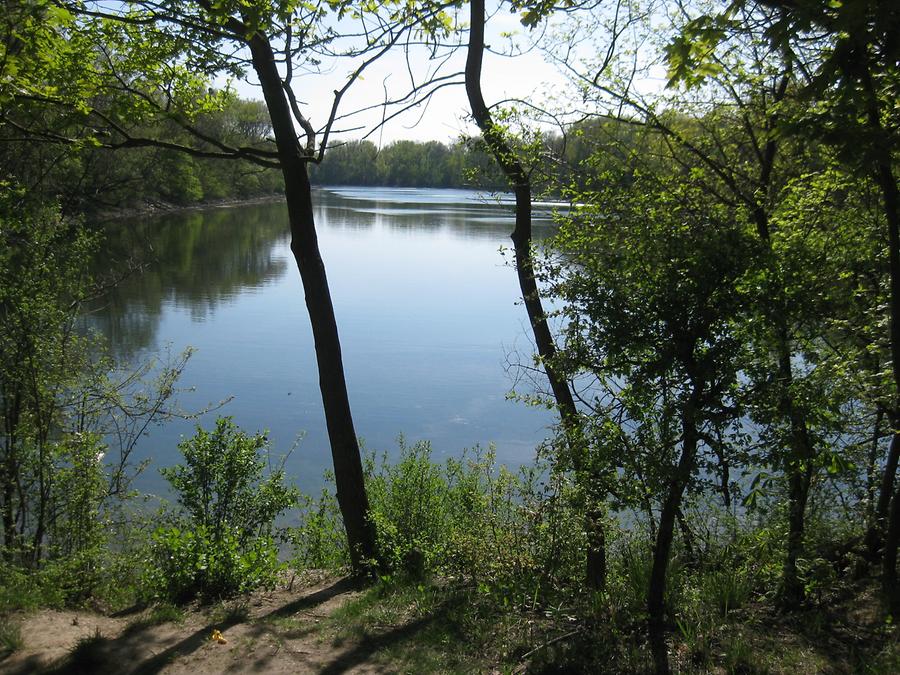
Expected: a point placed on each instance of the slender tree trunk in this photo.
(872, 496)
(797, 468)
(797, 462)
(521, 235)
(725, 468)
(522, 244)
(656, 593)
(10, 470)
(888, 185)
(878, 507)
(888, 479)
(889, 561)
(687, 537)
(37, 545)
(9, 491)
(800, 451)
(351, 491)
(799, 476)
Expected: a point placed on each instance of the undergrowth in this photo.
(481, 568)
(491, 562)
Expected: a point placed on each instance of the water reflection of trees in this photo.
(467, 219)
(200, 259)
(196, 260)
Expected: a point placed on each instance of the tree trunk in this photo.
(522, 245)
(799, 475)
(889, 561)
(656, 593)
(887, 183)
(888, 186)
(797, 468)
(878, 516)
(12, 410)
(348, 473)
(800, 451)
(521, 235)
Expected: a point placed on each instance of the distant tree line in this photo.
(85, 178)
(409, 164)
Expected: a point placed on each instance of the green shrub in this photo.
(725, 590)
(10, 637)
(192, 562)
(409, 501)
(222, 540)
(319, 541)
(515, 535)
(20, 589)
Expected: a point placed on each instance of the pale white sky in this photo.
(525, 75)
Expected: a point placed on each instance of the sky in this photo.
(524, 75)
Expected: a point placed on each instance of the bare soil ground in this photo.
(269, 632)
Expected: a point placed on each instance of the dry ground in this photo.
(271, 632)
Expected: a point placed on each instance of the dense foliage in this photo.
(221, 539)
(408, 164)
(64, 475)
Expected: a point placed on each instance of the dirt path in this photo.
(270, 632)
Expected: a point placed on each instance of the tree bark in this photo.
(889, 561)
(522, 240)
(12, 410)
(351, 491)
(656, 593)
(522, 234)
(798, 462)
(888, 186)
(887, 183)
(878, 516)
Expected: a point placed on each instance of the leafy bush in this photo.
(222, 540)
(194, 562)
(514, 535)
(410, 504)
(319, 541)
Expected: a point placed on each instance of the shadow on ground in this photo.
(279, 639)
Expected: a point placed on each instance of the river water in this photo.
(427, 309)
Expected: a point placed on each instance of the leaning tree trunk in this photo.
(880, 514)
(348, 473)
(887, 183)
(798, 468)
(656, 592)
(522, 245)
(888, 186)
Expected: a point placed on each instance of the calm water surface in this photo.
(426, 307)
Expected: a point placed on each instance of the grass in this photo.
(10, 636)
(87, 655)
(413, 626)
(231, 612)
(430, 626)
(157, 616)
(166, 613)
